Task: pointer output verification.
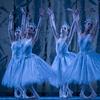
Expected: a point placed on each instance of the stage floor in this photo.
(47, 98)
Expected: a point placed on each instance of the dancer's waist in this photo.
(27, 55)
(61, 54)
(86, 51)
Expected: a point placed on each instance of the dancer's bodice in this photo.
(16, 48)
(61, 47)
(27, 49)
(85, 43)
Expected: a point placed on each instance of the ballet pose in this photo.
(64, 58)
(15, 61)
(86, 68)
(33, 70)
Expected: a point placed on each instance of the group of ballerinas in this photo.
(26, 68)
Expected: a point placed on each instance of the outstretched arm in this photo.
(10, 27)
(52, 23)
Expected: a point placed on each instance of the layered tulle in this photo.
(11, 72)
(14, 65)
(61, 64)
(86, 68)
(33, 70)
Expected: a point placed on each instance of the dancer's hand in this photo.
(96, 21)
(50, 13)
(10, 16)
(76, 15)
(42, 12)
(23, 11)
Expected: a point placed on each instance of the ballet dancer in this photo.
(15, 61)
(34, 70)
(63, 58)
(86, 67)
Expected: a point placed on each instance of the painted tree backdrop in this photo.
(45, 46)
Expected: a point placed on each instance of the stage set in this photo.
(49, 49)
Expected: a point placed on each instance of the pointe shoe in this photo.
(24, 95)
(64, 96)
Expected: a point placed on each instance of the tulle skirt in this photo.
(60, 65)
(33, 70)
(86, 68)
(11, 72)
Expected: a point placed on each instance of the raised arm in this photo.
(27, 21)
(52, 23)
(10, 27)
(23, 21)
(94, 29)
(42, 11)
(74, 27)
(37, 29)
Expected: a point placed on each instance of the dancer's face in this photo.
(64, 31)
(18, 34)
(88, 25)
(31, 29)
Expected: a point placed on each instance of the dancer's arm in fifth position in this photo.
(42, 11)
(52, 23)
(73, 28)
(10, 28)
(94, 29)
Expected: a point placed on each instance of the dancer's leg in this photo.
(64, 91)
(25, 92)
(82, 92)
(60, 91)
(34, 92)
(18, 92)
(93, 93)
(68, 91)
